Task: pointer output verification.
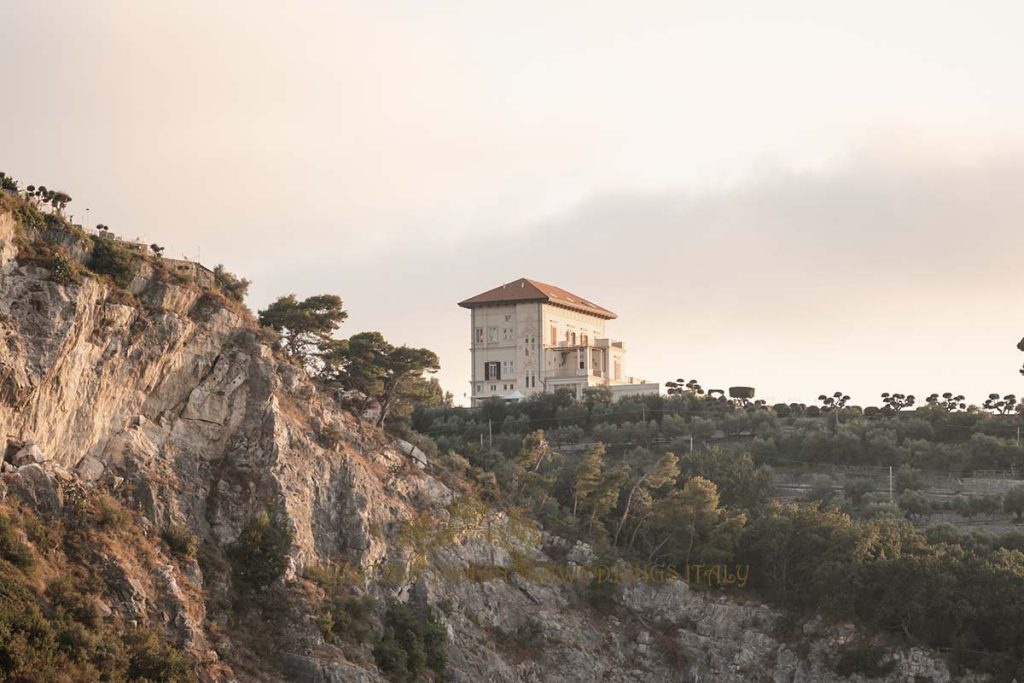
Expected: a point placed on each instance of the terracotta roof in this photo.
(524, 289)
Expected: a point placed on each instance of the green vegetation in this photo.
(115, 260)
(684, 479)
(305, 326)
(259, 556)
(52, 629)
(181, 541)
(234, 287)
(392, 375)
(414, 639)
(864, 659)
(12, 550)
(347, 616)
(8, 183)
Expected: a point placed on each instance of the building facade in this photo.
(527, 337)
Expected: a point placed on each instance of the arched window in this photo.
(574, 339)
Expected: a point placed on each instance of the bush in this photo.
(235, 287)
(154, 660)
(260, 553)
(12, 549)
(64, 270)
(529, 632)
(115, 260)
(913, 502)
(1013, 501)
(856, 489)
(864, 659)
(110, 514)
(601, 596)
(182, 542)
(413, 639)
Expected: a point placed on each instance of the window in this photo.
(492, 335)
(494, 387)
(479, 388)
(492, 370)
(584, 340)
(618, 369)
(479, 336)
(574, 339)
(506, 334)
(507, 368)
(533, 343)
(508, 318)
(554, 335)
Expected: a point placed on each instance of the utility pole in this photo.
(890, 483)
(87, 218)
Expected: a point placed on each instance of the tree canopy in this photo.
(306, 326)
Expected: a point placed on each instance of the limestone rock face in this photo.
(177, 405)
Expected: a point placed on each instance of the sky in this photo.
(803, 197)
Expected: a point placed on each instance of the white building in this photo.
(528, 337)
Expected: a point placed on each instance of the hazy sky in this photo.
(798, 196)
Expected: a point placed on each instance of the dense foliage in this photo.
(51, 624)
(115, 260)
(414, 640)
(930, 437)
(685, 480)
(259, 556)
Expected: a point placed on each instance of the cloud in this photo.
(893, 267)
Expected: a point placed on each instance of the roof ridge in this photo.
(542, 291)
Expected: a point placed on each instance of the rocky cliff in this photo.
(170, 401)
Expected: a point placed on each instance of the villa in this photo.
(527, 337)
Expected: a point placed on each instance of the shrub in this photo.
(529, 632)
(601, 596)
(856, 489)
(349, 619)
(235, 287)
(260, 553)
(913, 502)
(943, 533)
(68, 599)
(413, 639)
(331, 435)
(11, 548)
(182, 542)
(8, 183)
(110, 514)
(154, 660)
(864, 659)
(1013, 501)
(115, 260)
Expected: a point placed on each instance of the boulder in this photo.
(29, 453)
(35, 488)
(412, 451)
